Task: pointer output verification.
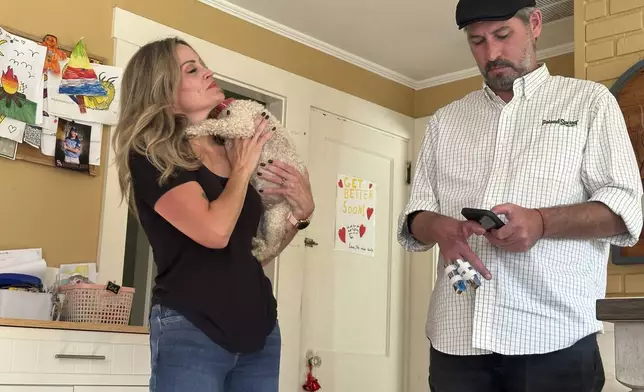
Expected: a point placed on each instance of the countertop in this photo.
(7, 322)
(620, 309)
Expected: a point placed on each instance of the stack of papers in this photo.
(23, 261)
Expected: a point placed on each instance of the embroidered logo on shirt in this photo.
(560, 121)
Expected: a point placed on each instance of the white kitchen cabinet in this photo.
(60, 360)
(35, 389)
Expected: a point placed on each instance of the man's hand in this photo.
(453, 243)
(451, 236)
(524, 228)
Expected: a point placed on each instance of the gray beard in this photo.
(505, 83)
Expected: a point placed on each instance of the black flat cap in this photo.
(470, 11)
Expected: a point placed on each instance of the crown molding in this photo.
(307, 40)
(277, 28)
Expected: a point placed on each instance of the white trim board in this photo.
(292, 34)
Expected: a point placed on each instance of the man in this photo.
(551, 156)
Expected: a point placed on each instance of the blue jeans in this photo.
(184, 359)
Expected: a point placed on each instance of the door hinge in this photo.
(309, 242)
(408, 169)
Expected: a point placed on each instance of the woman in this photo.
(214, 317)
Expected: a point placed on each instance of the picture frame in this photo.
(628, 90)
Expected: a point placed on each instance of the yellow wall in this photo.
(44, 204)
(43, 207)
(609, 39)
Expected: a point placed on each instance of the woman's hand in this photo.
(294, 186)
(244, 154)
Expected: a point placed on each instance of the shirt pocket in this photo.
(549, 165)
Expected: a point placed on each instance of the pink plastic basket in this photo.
(92, 303)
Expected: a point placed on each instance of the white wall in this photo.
(131, 31)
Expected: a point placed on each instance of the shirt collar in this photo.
(526, 85)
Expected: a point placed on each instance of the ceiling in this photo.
(413, 42)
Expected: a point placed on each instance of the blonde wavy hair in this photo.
(147, 124)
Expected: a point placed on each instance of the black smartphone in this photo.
(486, 218)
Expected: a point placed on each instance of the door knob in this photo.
(315, 361)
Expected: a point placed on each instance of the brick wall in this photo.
(609, 39)
(614, 37)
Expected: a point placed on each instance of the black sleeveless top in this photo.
(223, 292)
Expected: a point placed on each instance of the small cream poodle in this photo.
(236, 119)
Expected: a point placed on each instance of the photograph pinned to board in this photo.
(8, 148)
(21, 80)
(11, 129)
(355, 218)
(72, 145)
(49, 140)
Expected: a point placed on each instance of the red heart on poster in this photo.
(362, 230)
(342, 233)
(369, 213)
(340, 183)
(370, 185)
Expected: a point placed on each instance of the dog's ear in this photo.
(213, 114)
(219, 114)
(222, 110)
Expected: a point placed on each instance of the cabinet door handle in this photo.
(79, 356)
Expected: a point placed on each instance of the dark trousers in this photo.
(577, 368)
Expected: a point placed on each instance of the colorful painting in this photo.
(78, 76)
(54, 55)
(21, 78)
(97, 109)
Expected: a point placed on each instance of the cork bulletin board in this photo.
(26, 152)
(41, 205)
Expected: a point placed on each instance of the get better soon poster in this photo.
(355, 215)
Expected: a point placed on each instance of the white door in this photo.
(353, 304)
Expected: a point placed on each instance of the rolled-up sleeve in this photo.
(422, 196)
(610, 171)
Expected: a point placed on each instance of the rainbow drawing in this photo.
(78, 77)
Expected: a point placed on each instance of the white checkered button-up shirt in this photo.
(559, 141)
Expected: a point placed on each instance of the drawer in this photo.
(110, 389)
(64, 357)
